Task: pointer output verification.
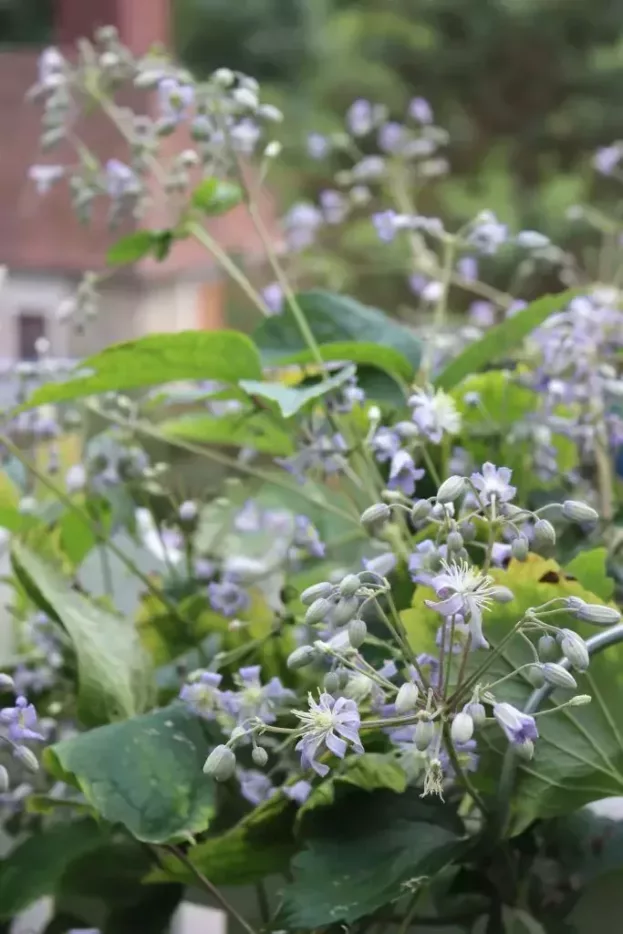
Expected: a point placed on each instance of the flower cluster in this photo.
(19, 726)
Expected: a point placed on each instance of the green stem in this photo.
(461, 774)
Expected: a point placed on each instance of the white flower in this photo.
(466, 590)
(435, 414)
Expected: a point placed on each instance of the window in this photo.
(31, 326)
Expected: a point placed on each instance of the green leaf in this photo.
(335, 319)
(256, 430)
(131, 248)
(502, 339)
(366, 864)
(589, 844)
(590, 569)
(114, 672)
(368, 772)
(216, 196)
(155, 359)
(35, 868)
(291, 399)
(144, 773)
(388, 359)
(518, 921)
(260, 845)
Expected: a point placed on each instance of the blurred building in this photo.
(47, 250)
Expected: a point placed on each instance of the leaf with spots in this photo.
(145, 773)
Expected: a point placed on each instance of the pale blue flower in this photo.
(203, 696)
(403, 474)
(519, 727)
(318, 146)
(494, 483)
(463, 589)
(273, 298)
(255, 786)
(330, 723)
(299, 791)
(227, 597)
(360, 117)
(175, 99)
(420, 110)
(425, 562)
(21, 721)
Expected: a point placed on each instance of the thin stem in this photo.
(461, 774)
(491, 656)
(430, 465)
(211, 888)
(262, 903)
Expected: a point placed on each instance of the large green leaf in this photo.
(260, 845)
(114, 672)
(35, 868)
(216, 196)
(144, 773)
(388, 359)
(502, 339)
(255, 430)
(590, 568)
(363, 865)
(291, 399)
(156, 359)
(335, 319)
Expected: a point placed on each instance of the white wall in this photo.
(170, 306)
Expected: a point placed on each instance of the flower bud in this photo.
(246, 98)
(423, 736)
(547, 647)
(4, 780)
(525, 750)
(421, 510)
(477, 712)
(349, 585)
(273, 149)
(580, 700)
(558, 676)
(450, 489)
(573, 647)
(299, 658)
(544, 534)
(220, 764)
(374, 413)
(594, 613)
(331, 682)
(259, 756)
(26, 757)
(455, 541)
(188, 511)
(407, 697)
(323, 589)
(468, 531)
(502, 595)
(318, 611)
(535, 676)
(344, 610)
(392, 496)
(6, 683)
(520, 548)
(357, 632)
(576, 511)
(375, 515)
(224, 76)
(462, 729)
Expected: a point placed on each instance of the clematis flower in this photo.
(494, 483)
(519, 727)
(403, 474)
(435, 414)
(203, 696)
(464, 589)
(329, 722)
(21, 721)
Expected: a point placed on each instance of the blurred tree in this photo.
(25, 21)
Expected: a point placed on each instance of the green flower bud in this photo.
(520, 548)
(357, 632)
(580, 700)
(525, 750)
(558, 676)
(318, 611)
(259, 756)
(26, 757)
(421, 510)
(331, 682)
(344, 610)
(502, 595)
(450, 489)
(455, 541)
(468, 531)
(6, 683)
(544, 534)
(477, 712)
(375, 515)
(535, 676)
(220, 764)
(576, 511)
(593, 613)
(547, 647)
(301, 657)
(573, 647)
(323, 589)
(407, 697)
(462, 728)
(423, 736)
(349, 586)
